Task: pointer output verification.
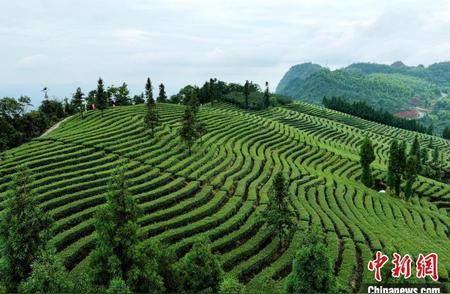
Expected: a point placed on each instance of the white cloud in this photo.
(188, 41)
(33, 62)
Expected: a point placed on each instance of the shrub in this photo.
(311, 269)
(230, 284)
(48, 276)
(200, 269)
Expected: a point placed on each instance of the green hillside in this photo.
(218, 191)
(388, 91)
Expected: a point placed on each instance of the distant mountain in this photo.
(397, 87)
(393, 91)
(437, 73)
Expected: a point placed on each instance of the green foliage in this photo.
(216, 90)
(446, 133)
(24, 230)
(101, 97)
(117, 253)
(122, 95)
(77, 101)
(230, 284)
(246, 93)
(162, 97)
(388, 91)
(48, 276)
(138, 99)
(311, 269)
(277, 215)
(363, 110)
(148, 90)
(411, 170)
(118, 286)
(151, 118)
(395, 167)
(200, 269)
(191, 129)
(52, 109)
(165, 258)
(367, 156)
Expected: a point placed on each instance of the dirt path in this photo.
(55, 126)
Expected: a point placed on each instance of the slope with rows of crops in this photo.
(218, 191)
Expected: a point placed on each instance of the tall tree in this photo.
(117, 254)
(277, 215)
(101, 97)
(410, 175)
(188, 132)
(367, 156)
(122, 95)
(162, 97)
(394, 175)
(267, 96)
(77, 101)
(246, 92)
(311, 268)
(446, 133)
(401, 158)
(148, 90)
(24, 230)
(151, 117)
(415, 151)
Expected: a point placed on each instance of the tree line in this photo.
(365, 111)
(403, 166)
(17, 125)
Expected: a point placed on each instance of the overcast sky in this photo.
(65, 44)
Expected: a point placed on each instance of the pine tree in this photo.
(192, 128)
(148, 90)
(394, 168)
(101, 97)
(162, 97)
(415, 151)
(24, 231)
(187, 132)
(267, 96)
(367, 156)
(77, 101)
(246, 92)
(446, 133)
(401, 157)
(410, 175)
(436, 156)
(277, 215)
(117, 254)
(151, 117)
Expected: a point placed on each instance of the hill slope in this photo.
(394, 91)
(218, 191)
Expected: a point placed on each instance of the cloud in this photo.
(33, 62)
(188, 41)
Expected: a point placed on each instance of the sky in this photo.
(66, 44)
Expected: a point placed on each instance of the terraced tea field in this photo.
(218, 191)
